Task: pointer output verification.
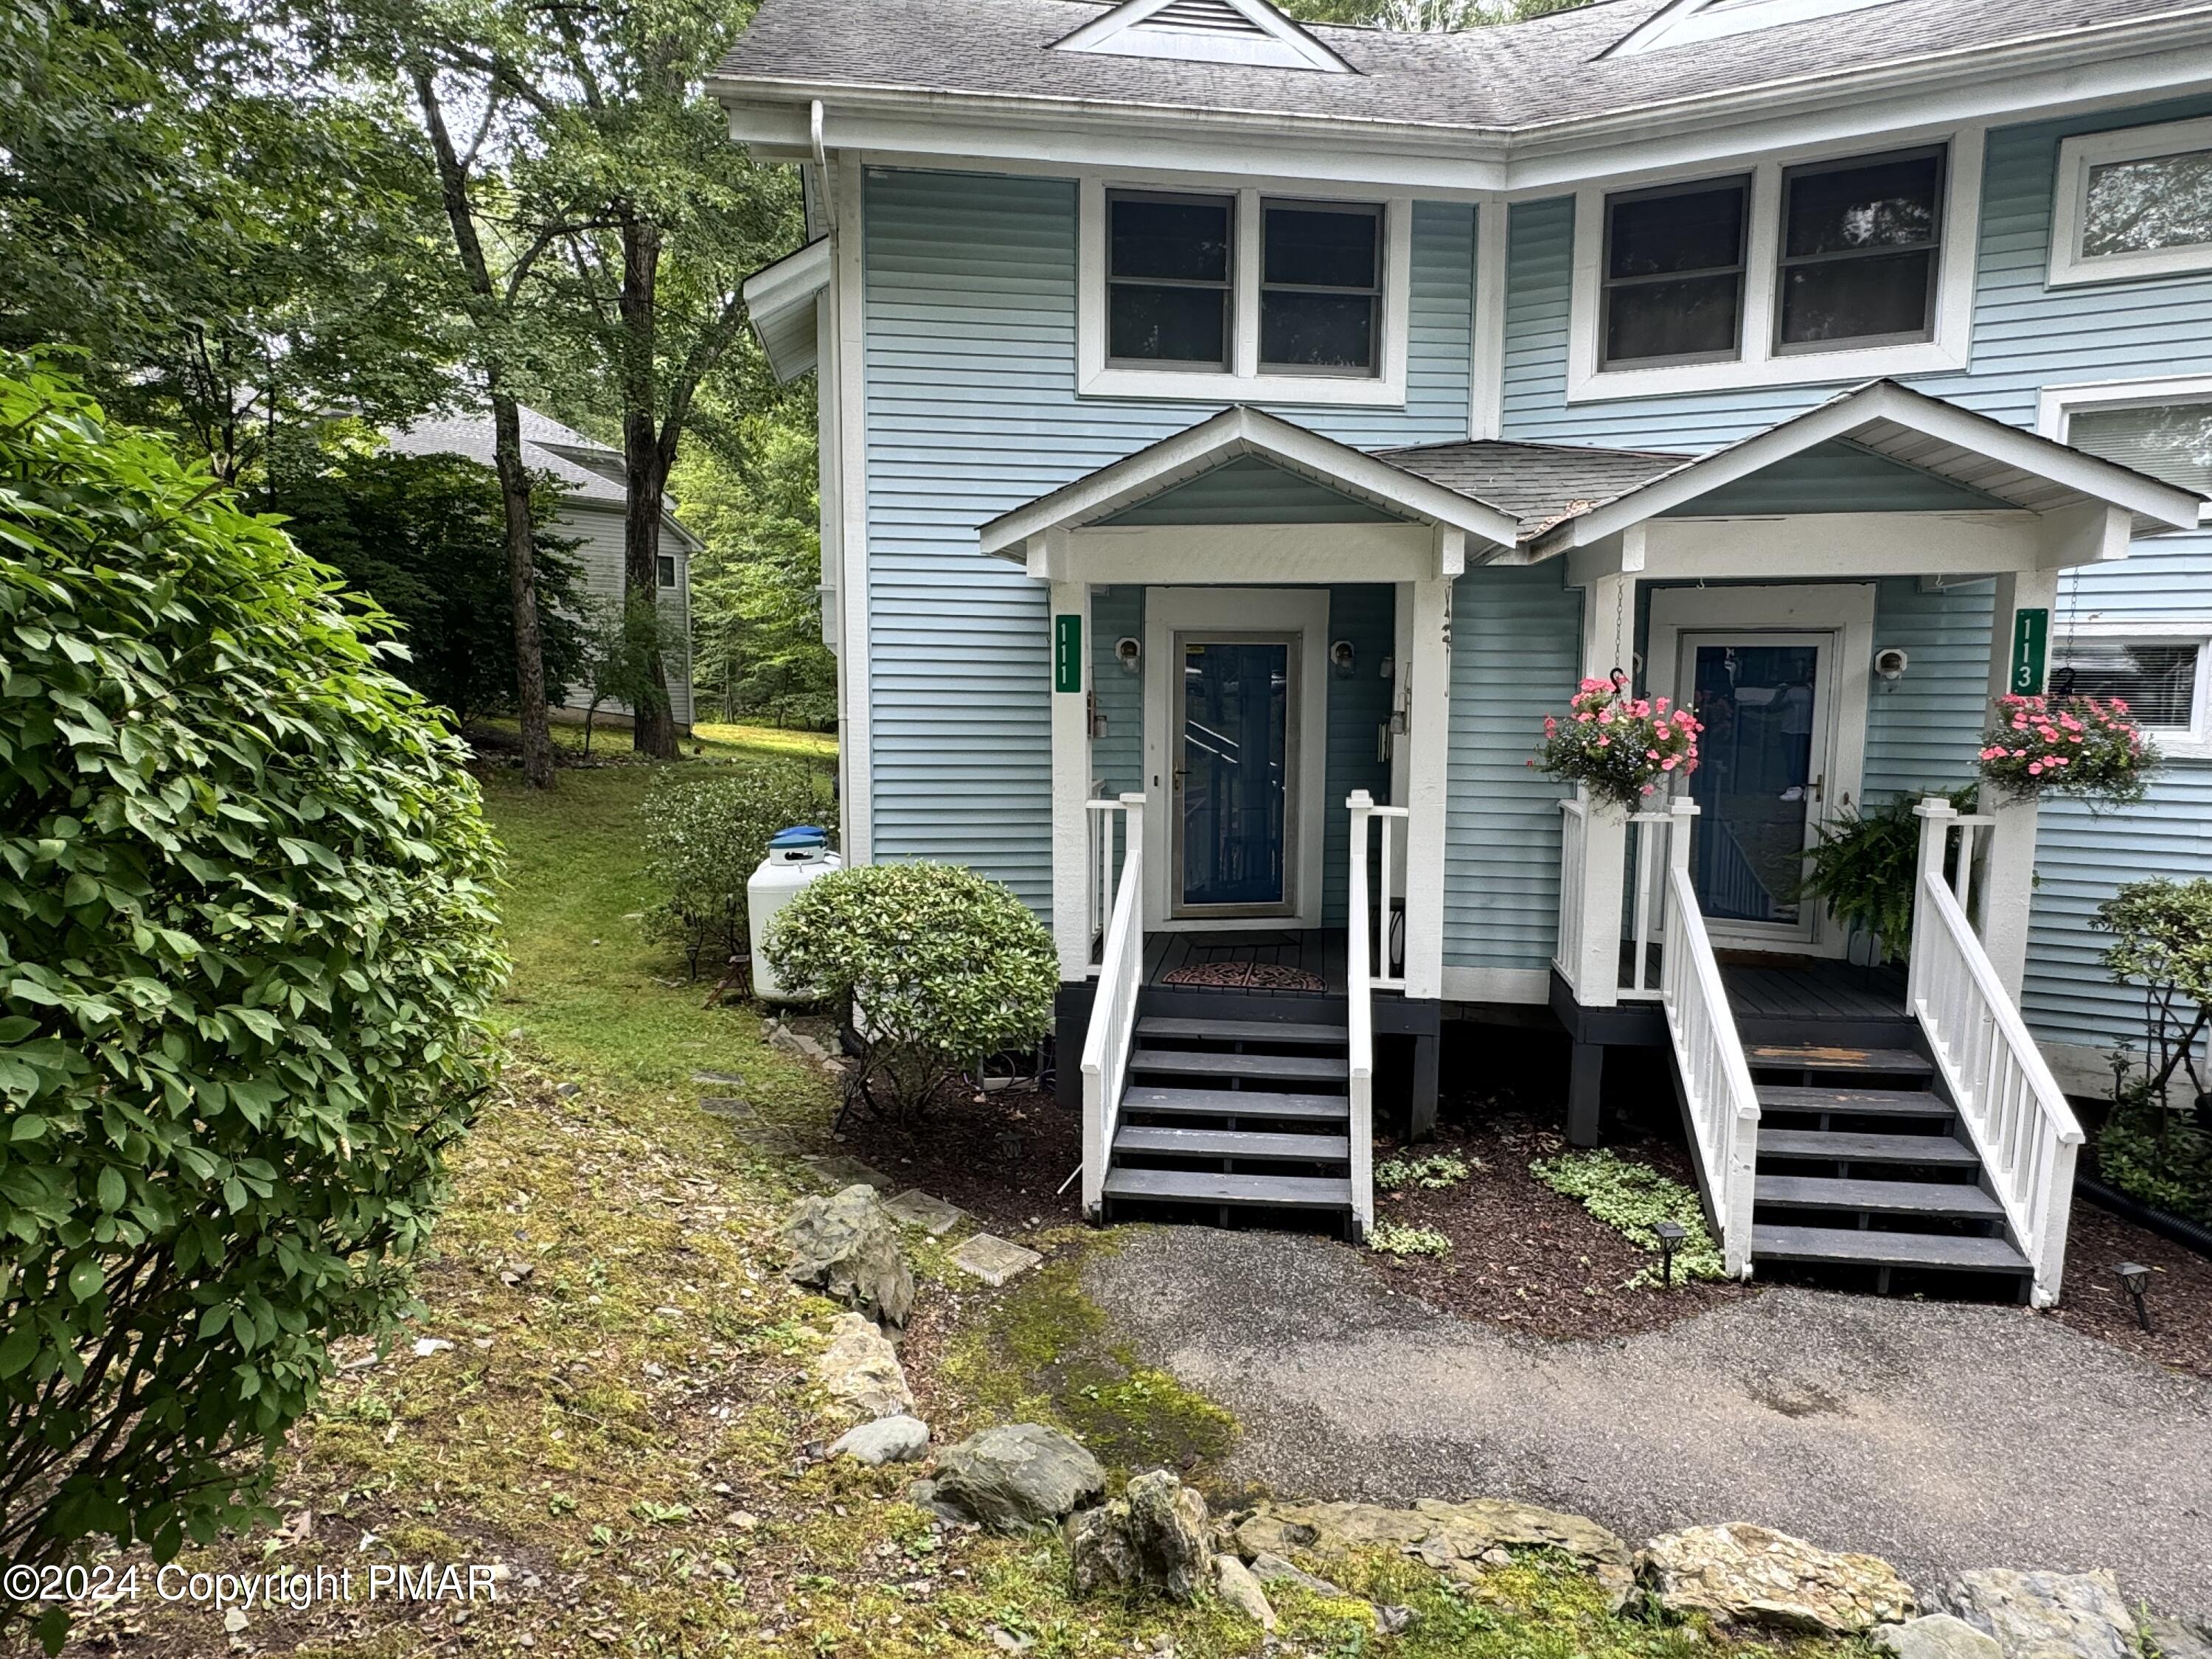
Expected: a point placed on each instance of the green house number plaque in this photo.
(1067, 654)
(2031, 641)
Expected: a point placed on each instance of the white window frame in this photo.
(2191, 742)
(2077, 157)
(1242, 382)
(1761, 364)
(2055, 404)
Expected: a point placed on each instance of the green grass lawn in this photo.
(612, 1401)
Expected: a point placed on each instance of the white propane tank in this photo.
(795, 857)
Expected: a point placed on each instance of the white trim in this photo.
(1071, 787)
(1115, 556)
(1172, 610)
(779, 302)
(855, 726)
(2056, 403)
(1428, 767)
(1759, 364)
(1275, 41)
(2192, 742)
(1485, 414)
(1243, 381)
(2077, 157)
(1688, 21)
(1522, 987)
(1843, 611)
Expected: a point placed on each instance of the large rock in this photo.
(1017, 1477)
(886, 1440)
(1939, 1635)
(847, 1248)
(2175, 1640)
(1740, 1573)
(1453, 1538)
(1237, 1586)
(2047, 1615)
(860, 1371)
(1154, 1536)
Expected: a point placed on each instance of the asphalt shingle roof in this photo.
(1538, 483)
(1512, 76)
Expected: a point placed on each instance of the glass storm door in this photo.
(1233, 806)
(1761, 778)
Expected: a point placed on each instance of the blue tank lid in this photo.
(799, 835)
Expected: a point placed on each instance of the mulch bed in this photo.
(999, 1155)
(1526, 1257)
(2180, 1298)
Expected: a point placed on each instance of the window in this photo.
(2133, 204)
(1859, 242)
(2157, 679)
(1168, 298)
(1674, 273)
(1239, 294)
(1321, 287)
(666, 563)
(2173, 441)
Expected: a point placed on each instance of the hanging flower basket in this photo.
(1623, 749)
(2088, 748)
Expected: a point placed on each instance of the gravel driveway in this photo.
(1943, 1437)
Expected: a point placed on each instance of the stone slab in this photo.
(767, 1137)
(725, 1106)
(718, 1080)
(994, 1260)
(841, 1172)
(915, 1208)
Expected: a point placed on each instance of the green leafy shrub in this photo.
(246, 944)
(1393, 1238)
(942, 968)
(2157, 1143)
(704, 837)
(1433, 1170)
(1864, 867)
(1633, 1199)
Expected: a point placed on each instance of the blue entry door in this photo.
(1235, 709)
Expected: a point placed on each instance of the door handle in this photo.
(1820, 787)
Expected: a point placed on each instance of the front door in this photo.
(1234, 798)
(1762, 779)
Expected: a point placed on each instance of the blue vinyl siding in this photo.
(1248, 491)
(971, 411)
(1923, 730)
(1117, 757)
(1516, 647)
(1837, 477)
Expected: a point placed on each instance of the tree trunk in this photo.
(652, 729)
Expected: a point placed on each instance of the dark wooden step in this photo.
(1210, 1187)
(1286, 1033)
(1853, 1103)
(1266, 1147)
(1934, 1200)
(1837, 1057)
(1840, 1146)
(1236, 1103)
(1303, 1068)
(1880, 1250)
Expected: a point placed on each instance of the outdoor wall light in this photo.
(1671, 1234)
(1341, 656)
(2134, 1279)
(1128, 652)
(1890, 662)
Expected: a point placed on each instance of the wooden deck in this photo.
(1809, 987)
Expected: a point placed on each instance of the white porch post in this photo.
(1427, 743)
(1071, 782)
(2008, 886)
(1609, 643)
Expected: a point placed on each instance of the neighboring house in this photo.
(1227, 423)
(595, 485)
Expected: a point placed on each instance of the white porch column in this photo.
(1609, 643)
(1071, 778)
(2008, 883)
(1427, 744)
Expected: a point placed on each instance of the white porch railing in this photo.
(2013, 1107)
(1113, 1027)
(1652, 836)
(1717, 1087)
(1101, 816)
(1574, 861)
(1361, 981)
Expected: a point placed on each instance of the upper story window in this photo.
(1830, 269)
(1859, 242)
(1222, 295)
(2133, 204)
(667, 569)
(1674, 273)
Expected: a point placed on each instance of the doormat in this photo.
(1246, 976)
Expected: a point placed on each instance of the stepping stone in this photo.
(725, 1079)
(994, 1260)
(842, 1172)
(767, 1137)
(725, 1106)
(916, 1208)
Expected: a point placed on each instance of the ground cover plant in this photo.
(1631, 1197)
(246, 942)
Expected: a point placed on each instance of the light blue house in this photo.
(1236, 437)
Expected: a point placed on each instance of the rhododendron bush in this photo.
(1623, 748)
(2086, 747)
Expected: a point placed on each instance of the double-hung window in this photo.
(1859, 247)
(1169, 297)
(1674, 273)
(1321, 287)
(2133, 204)
(665, 569)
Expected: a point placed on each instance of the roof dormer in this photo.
(1688, 22)
(1248, 32)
